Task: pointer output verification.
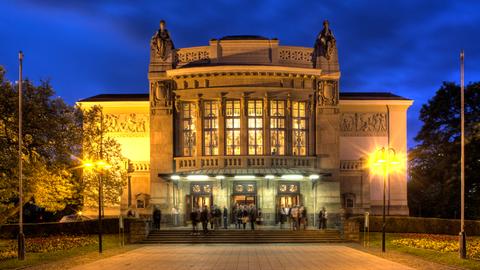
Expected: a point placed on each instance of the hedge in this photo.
(109, 226)
(396, 224)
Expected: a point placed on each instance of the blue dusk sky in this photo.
(89, 47)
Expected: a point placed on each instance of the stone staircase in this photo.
(243, 237)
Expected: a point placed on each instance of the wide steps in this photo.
(243, 236)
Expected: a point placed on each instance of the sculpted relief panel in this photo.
(328, 93)
(363, 124)
(127, 124)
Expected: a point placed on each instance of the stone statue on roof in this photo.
(161, 42)
(325, 44)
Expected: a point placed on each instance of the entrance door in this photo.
(285, 201)
(202, 200)
(196, 201)
(244, 200)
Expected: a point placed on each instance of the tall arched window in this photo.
(232, 127)
(299, 128)
(189, 128)
(255, 127)
(210, 128)
(277, 127)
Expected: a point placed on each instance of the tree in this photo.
(51, 134)
(97, 145)
(434, 188)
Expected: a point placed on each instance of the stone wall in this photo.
(351, 230)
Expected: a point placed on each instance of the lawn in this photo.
(405, 248)
(62, 259)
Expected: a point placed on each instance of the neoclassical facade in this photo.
(247, 120)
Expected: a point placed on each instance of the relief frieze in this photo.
(127, 124)
(363, 124)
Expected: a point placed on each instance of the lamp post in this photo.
(385, 157)
(99, 166)
(21, 236)
(463, 238)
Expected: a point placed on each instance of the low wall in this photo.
(419, 225)
(109, 226)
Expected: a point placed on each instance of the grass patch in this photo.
(395, 252)
(62, 259)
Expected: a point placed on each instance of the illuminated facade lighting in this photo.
(220, 177)
(175, 177)
(314, 176)
(269, 176)
(197, 177)
(244, 177)
(292, 177)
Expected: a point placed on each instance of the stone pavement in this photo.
(243, 257)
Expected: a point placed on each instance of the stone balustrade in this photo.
(141, 166)
(295, 56)
(193, 55)
(287, 56)
(351, 165)
(183, 164)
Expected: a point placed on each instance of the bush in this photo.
(442, 243)
(109, 226)
(45, 244)
(420, 225)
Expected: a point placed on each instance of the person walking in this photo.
(325, 218)
(239, 216)
(294, 217)
(252, 216)
(283, 217)
(303, 217)
(244, 217)
(194, 219)
(225, 217)
(204, 219)
(211, 217)
(157, 218)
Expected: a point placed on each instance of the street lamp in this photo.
(21, 236)
(99, 166)
(386, 159)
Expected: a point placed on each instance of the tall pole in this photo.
(383, 217)
(21, 236)
(100, 188)
(463, 241)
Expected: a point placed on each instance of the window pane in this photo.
(210, 128)
(232, 127)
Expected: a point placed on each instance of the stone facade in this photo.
(245, 119)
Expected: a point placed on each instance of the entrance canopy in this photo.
(249, 173)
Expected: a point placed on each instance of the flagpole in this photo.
(463, 238)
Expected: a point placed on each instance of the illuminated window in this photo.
(210, 128)
(277, 127)
(255, 127)
(189, 127)
(299, 128)
(232, 127)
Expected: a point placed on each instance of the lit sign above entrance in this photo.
(289, 188)
(244, 188)
(201, 188)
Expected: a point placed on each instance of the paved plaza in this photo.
(243, 257)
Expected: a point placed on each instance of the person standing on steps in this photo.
(225, 217)
(194, 219)
(157, 218)
(252, 216)
(204, 219)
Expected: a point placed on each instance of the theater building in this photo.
(247, 120)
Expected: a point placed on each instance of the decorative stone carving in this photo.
(127, 125)
(161, 43)
(192, 55)
(161, 97)
(327, 93)
(325, 45)
(295, 55)
(363, 124)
